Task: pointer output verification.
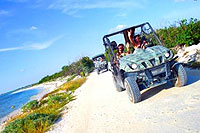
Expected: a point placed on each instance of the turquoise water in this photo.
(16, 99)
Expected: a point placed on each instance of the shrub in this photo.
(82, 65)
(30, 106)
(52, 99)
(187, 31)
(34, 122)
(82, 74)
(40, 119)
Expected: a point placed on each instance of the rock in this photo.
(188, 54)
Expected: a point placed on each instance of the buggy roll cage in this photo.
(107, 43)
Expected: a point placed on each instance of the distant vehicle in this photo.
(144, 68)
(100, 63)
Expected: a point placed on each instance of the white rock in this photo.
(188, 54)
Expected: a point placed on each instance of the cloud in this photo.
(33, 46)
(71, 7)
(33, 28)
(3, 12)
(10, 49)
(28, 31)
(117, 28)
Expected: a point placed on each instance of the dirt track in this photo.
(99, 108)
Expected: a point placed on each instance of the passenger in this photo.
(120, 52)
(114, 48)
(136, 40)
(128, 49)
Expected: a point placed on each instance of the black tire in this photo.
(117, 86)
(98, 71)
(179, 75)
(132, 90)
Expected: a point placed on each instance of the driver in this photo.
(120, 52)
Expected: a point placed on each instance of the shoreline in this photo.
(47, 87)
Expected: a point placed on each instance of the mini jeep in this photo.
(153, 66)
(100, 63)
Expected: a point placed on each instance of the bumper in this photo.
(153, 77)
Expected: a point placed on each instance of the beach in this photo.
(45, 88)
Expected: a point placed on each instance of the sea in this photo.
(14, 100)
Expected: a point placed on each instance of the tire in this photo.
(132, 90)
(180, 75)
(98, 71)
(117, 86)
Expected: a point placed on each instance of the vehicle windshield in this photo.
(141, 36)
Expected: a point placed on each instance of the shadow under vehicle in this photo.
(100, 63)
(144, 68)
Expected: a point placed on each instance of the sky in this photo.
(38, 37)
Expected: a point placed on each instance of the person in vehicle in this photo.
(128, 49)
(120, 52)
(114, 48)
(136, 40)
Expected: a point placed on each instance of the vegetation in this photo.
(84, 65)
(184, 32)
(39, 116)
(71, 78)
(30, 106)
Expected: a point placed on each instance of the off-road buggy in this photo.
(144, 68)
(100, 63)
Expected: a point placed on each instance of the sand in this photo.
(99, 108)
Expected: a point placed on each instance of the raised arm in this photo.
(130, 33)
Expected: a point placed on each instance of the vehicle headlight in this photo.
(167, 54)
(134, 66)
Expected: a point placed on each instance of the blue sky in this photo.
(38, 37)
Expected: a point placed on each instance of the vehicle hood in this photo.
(145, 58)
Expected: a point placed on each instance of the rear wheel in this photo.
(180, 76)
(132, 90)
(117, 86)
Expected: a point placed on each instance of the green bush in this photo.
(85, 64)
(56, 98)
(30, 106)
(35, 122)
(187, 31)
(82, 74)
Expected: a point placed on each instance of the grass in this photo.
(39, 116)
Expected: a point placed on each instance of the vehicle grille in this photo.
(153, 62)
(161, 59)
(144, 64)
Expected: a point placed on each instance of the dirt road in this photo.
(99, 108)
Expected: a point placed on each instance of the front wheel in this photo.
(132, 90)
(179, 75)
